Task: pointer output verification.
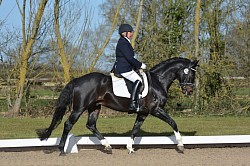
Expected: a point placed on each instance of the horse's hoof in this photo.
(131, 151)
(108, 150)
(62, 154)
(180, 148)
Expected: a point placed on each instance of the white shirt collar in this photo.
(128, 39)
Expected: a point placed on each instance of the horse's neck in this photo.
(167, 82)
(166, 73)
(165, 78)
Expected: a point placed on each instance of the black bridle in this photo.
(182, 84)
(186, 83)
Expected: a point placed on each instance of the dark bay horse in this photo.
(94, 90)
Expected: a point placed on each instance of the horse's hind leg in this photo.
(138, 123)
(74, 116)
(161, 114)
(91, 125)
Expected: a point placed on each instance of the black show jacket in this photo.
(125, 60)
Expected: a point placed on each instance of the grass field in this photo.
(12, 128)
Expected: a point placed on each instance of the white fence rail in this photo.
(72, 141)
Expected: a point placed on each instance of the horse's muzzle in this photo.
(187, 89)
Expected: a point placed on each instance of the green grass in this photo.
(44, 92)
(242, 91)
(12, 128)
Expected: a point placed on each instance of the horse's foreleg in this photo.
(161, 114)
(74, 116)
(91, 125)
(138, 123)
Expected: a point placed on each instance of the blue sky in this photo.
(10, 13)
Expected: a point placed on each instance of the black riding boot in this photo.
(134, 105)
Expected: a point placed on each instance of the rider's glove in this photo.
(143, 66)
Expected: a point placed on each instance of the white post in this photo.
(71, 145)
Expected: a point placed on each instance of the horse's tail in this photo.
(63, 101)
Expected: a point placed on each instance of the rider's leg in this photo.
(132, 76)
(134, 105)
(136, 79)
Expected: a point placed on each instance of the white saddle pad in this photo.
(120, 88)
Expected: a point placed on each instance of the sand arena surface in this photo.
(142, 157)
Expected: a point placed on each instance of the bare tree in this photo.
(76, 40)
(139, 17)
(196, 55)
(28, 42)
(60, 44)
(114, 23)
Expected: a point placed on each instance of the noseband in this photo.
(186, 86)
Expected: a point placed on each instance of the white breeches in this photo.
(132, 76)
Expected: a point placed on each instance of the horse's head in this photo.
(186, 77)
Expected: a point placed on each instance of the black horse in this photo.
(93, 90)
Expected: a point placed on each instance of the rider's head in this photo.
(126, 30)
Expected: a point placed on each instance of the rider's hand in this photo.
(143, 66)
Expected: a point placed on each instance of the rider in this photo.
(126, 64)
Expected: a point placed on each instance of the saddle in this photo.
(123, 87)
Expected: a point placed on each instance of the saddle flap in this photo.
(120, 88)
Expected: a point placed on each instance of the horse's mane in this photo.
(169, 61)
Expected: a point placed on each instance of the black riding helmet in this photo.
(125, 28)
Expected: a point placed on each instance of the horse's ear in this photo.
(195, 63)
